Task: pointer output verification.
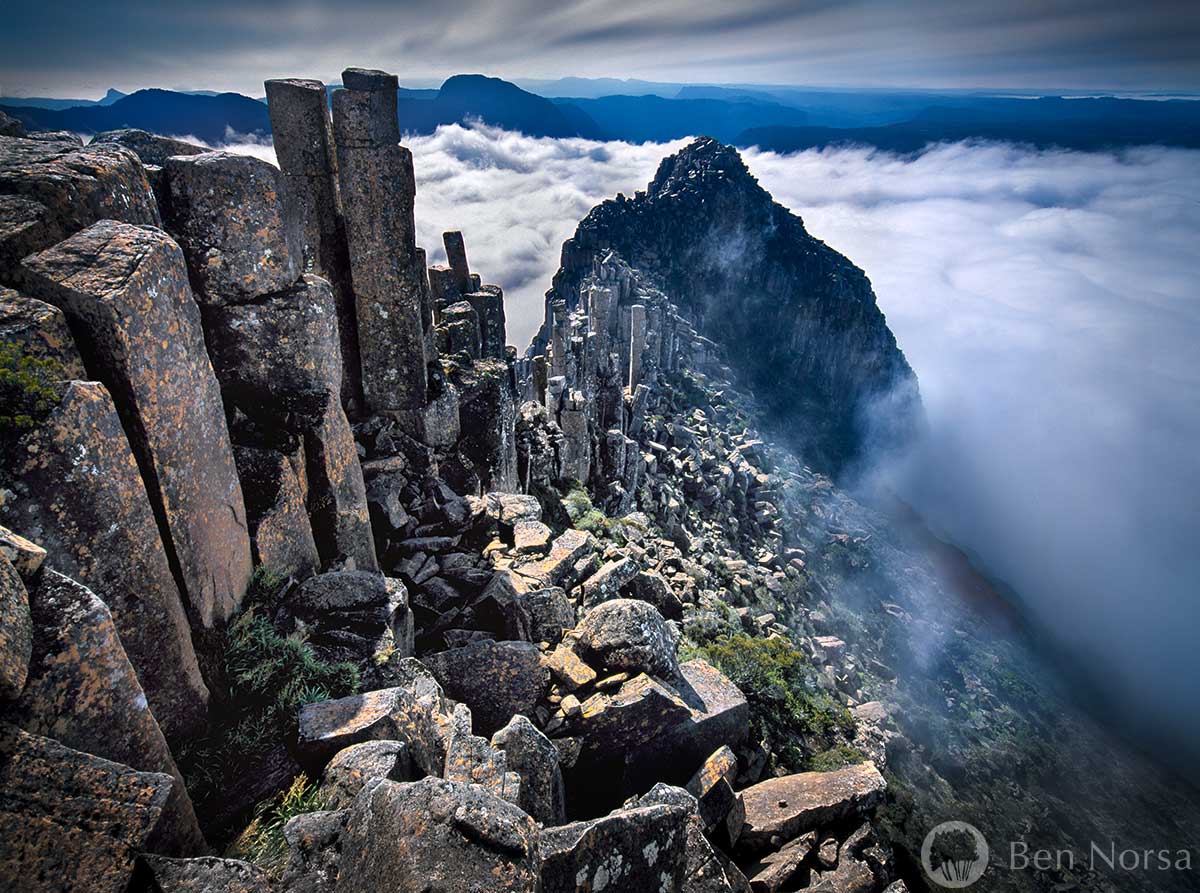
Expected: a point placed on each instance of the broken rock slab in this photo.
(96, 518)
(497, 680)
(205, 874)
(82, 690)
(784, 808)
(437, 836)
(708, 870)
(126, 287)
(353, 768)
(40, 330)
(643, 848)
(70, 820)
(280, 530)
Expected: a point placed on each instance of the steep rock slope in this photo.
(797, 319)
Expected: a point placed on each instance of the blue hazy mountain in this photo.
(45, 102)
(211, 118)
(651, 118)
(1084, 124)
(499, 103)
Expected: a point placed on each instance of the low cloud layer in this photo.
(1049, 304)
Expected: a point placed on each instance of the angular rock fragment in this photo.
(509, 508)
(97, 520)
(557, 568)
(530, 537)
(149, 147)
(607, 582)
(442, 837)
(497, 680)
(784, 808)
(639, 711)
(126, 287)
(82, 690)
(314, 842)
(225, 211)
(708, 870)
(628, 634)
(472, 760)
(652, 587)
(772, 872)
(356, 766)
(16, 631)
(570, 671)
(643, 848)
(25, 556)
(534, 758)
(712, 786)
(70, 820)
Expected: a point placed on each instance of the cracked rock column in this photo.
(303, 134)
(456, 257)
(375, 174)
(637, 342)
(125, 288)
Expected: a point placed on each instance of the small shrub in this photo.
(786, 710)
(262, 842)
(27, 388)
(837, 757)
(268, 677)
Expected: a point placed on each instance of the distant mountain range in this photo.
(782, 119)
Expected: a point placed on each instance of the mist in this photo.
(1049, 303)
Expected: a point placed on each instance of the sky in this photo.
(80, 49)
(1048, 303)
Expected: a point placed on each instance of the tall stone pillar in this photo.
(456, 256)
(559, 333)
(637, 343)
(303, 135)
(489, 307)
(375, 175)
(539, 376)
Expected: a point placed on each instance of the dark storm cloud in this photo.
(76, 47)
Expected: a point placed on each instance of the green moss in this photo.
(263, 842)
(835, 758)
(786, 709)
(267, 678)
(27, 388)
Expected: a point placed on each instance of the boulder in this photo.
(718, 714)
(414, 712)
(639, 711)
(530, 537)
(497, 680)
(40, 330)
(70, 820)
(226, 212)
(353, 615)
(643, 848)
(712, 786)
(515, 607)
(97, 520)
(534, 758)
(509, 508)
(568, 669)
(149, 147)
(206, 874)
(353, 768)
(439, 837)
(275, 507)
(16, 632)
(82, 690)
(126, 287)
(628, 634)
(471, 759)
(652, 587)
(314, 842)
(784, 808)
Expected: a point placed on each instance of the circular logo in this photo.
(954, 855)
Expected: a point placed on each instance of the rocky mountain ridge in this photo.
(304, 566)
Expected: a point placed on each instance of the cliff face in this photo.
(796, 319)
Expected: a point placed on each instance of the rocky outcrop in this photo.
(794, 317)
(125, 290)
(16, 632)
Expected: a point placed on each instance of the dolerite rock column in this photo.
(96, 520)
(375, 174)
(637, 343)
(124, 289)
(456, 257)
(303, 133)
(273, 333)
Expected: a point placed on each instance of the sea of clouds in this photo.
(1050, 305)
